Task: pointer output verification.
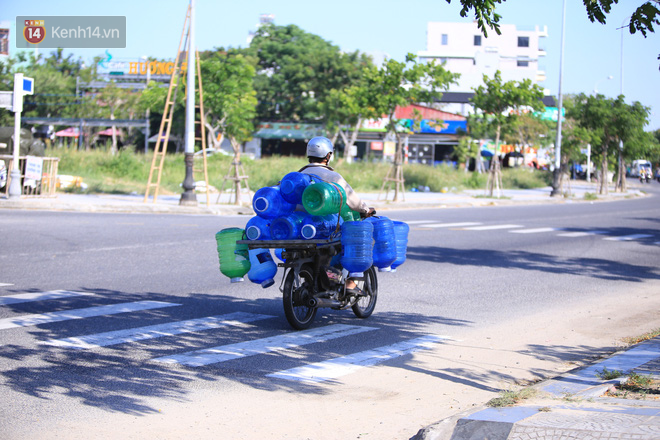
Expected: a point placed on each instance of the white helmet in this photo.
(319, 147)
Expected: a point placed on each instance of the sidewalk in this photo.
(169, 204)
(570, 406)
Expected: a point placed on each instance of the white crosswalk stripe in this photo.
(451, 225)
(580, 234)
(47, 318)
(39, 296)
(286, 341)
(535, 230)
(492, 227)
(157, 331)
(628, 237)
(337, 367)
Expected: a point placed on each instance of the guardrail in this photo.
(41, 179)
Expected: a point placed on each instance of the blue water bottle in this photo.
(384, 242)
(262, 267)
(287, 227)
(357, 246)
(268, 203)
(401, 230)
(293, 185)
(319, 227)
(257, 228)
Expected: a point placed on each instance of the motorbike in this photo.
(644, 176)
(311, 282)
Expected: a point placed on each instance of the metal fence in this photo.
(41, 184)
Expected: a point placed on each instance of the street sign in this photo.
(28, 85)
(6, 100)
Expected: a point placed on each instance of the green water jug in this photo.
(234, 258)
(348, 215)
(323, 198)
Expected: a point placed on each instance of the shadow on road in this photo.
(534, 261)
(124, 378)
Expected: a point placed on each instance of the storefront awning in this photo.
(275, 130)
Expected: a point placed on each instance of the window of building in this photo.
(4, 41)
(445, 39)
(477, 40)
(523, 63)
(523, 41)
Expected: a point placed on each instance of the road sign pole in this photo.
(15, 183)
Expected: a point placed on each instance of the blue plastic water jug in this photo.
(293, 185)
(401, 230)
(268, 203)
(384, 242)
(316, 227)
(262, 267)
(357, 246)
(287, 227)
(278, 254)
(234, 260)
(258, 228)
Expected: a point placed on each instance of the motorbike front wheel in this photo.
(299, 315)
(365, 305)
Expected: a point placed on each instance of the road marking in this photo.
(156, 331)
(112, 309)
(5, 284)
(581, 233)
(535, 230)
(419, 222)
(334, 368)
(224, 353)
(491, 227)
(451, 225)
(628, 237)
(39, 296)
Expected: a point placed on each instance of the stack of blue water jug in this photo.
(378, 241)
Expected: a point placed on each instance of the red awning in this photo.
(68, 132)
(108, 132)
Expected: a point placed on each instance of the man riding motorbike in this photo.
(319, 154)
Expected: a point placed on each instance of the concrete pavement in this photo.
(169, 204)
(571, 406)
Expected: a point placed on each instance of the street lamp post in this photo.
(188, 196)
(557, 173)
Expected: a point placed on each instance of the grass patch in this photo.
(128, 172)
(510, 398)
(608, 374)
(643, 337)
(590, 196)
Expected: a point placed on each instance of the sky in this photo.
(592, 52)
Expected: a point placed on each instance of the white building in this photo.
(517, 52)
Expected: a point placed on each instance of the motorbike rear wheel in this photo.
(299, 315)
(365, 305)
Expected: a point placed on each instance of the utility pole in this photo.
(188, 196)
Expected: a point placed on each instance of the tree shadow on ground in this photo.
(124, 377)
(534, 261)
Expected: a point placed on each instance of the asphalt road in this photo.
(467, 270)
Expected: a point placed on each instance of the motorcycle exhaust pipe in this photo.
(322, 302)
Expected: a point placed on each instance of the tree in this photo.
(501, 101)
(116, 102)
(397, 84)
(296, 70)
(642, 19)
(229, 98)
(526, 130)
(230, 104)
(612, 122)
